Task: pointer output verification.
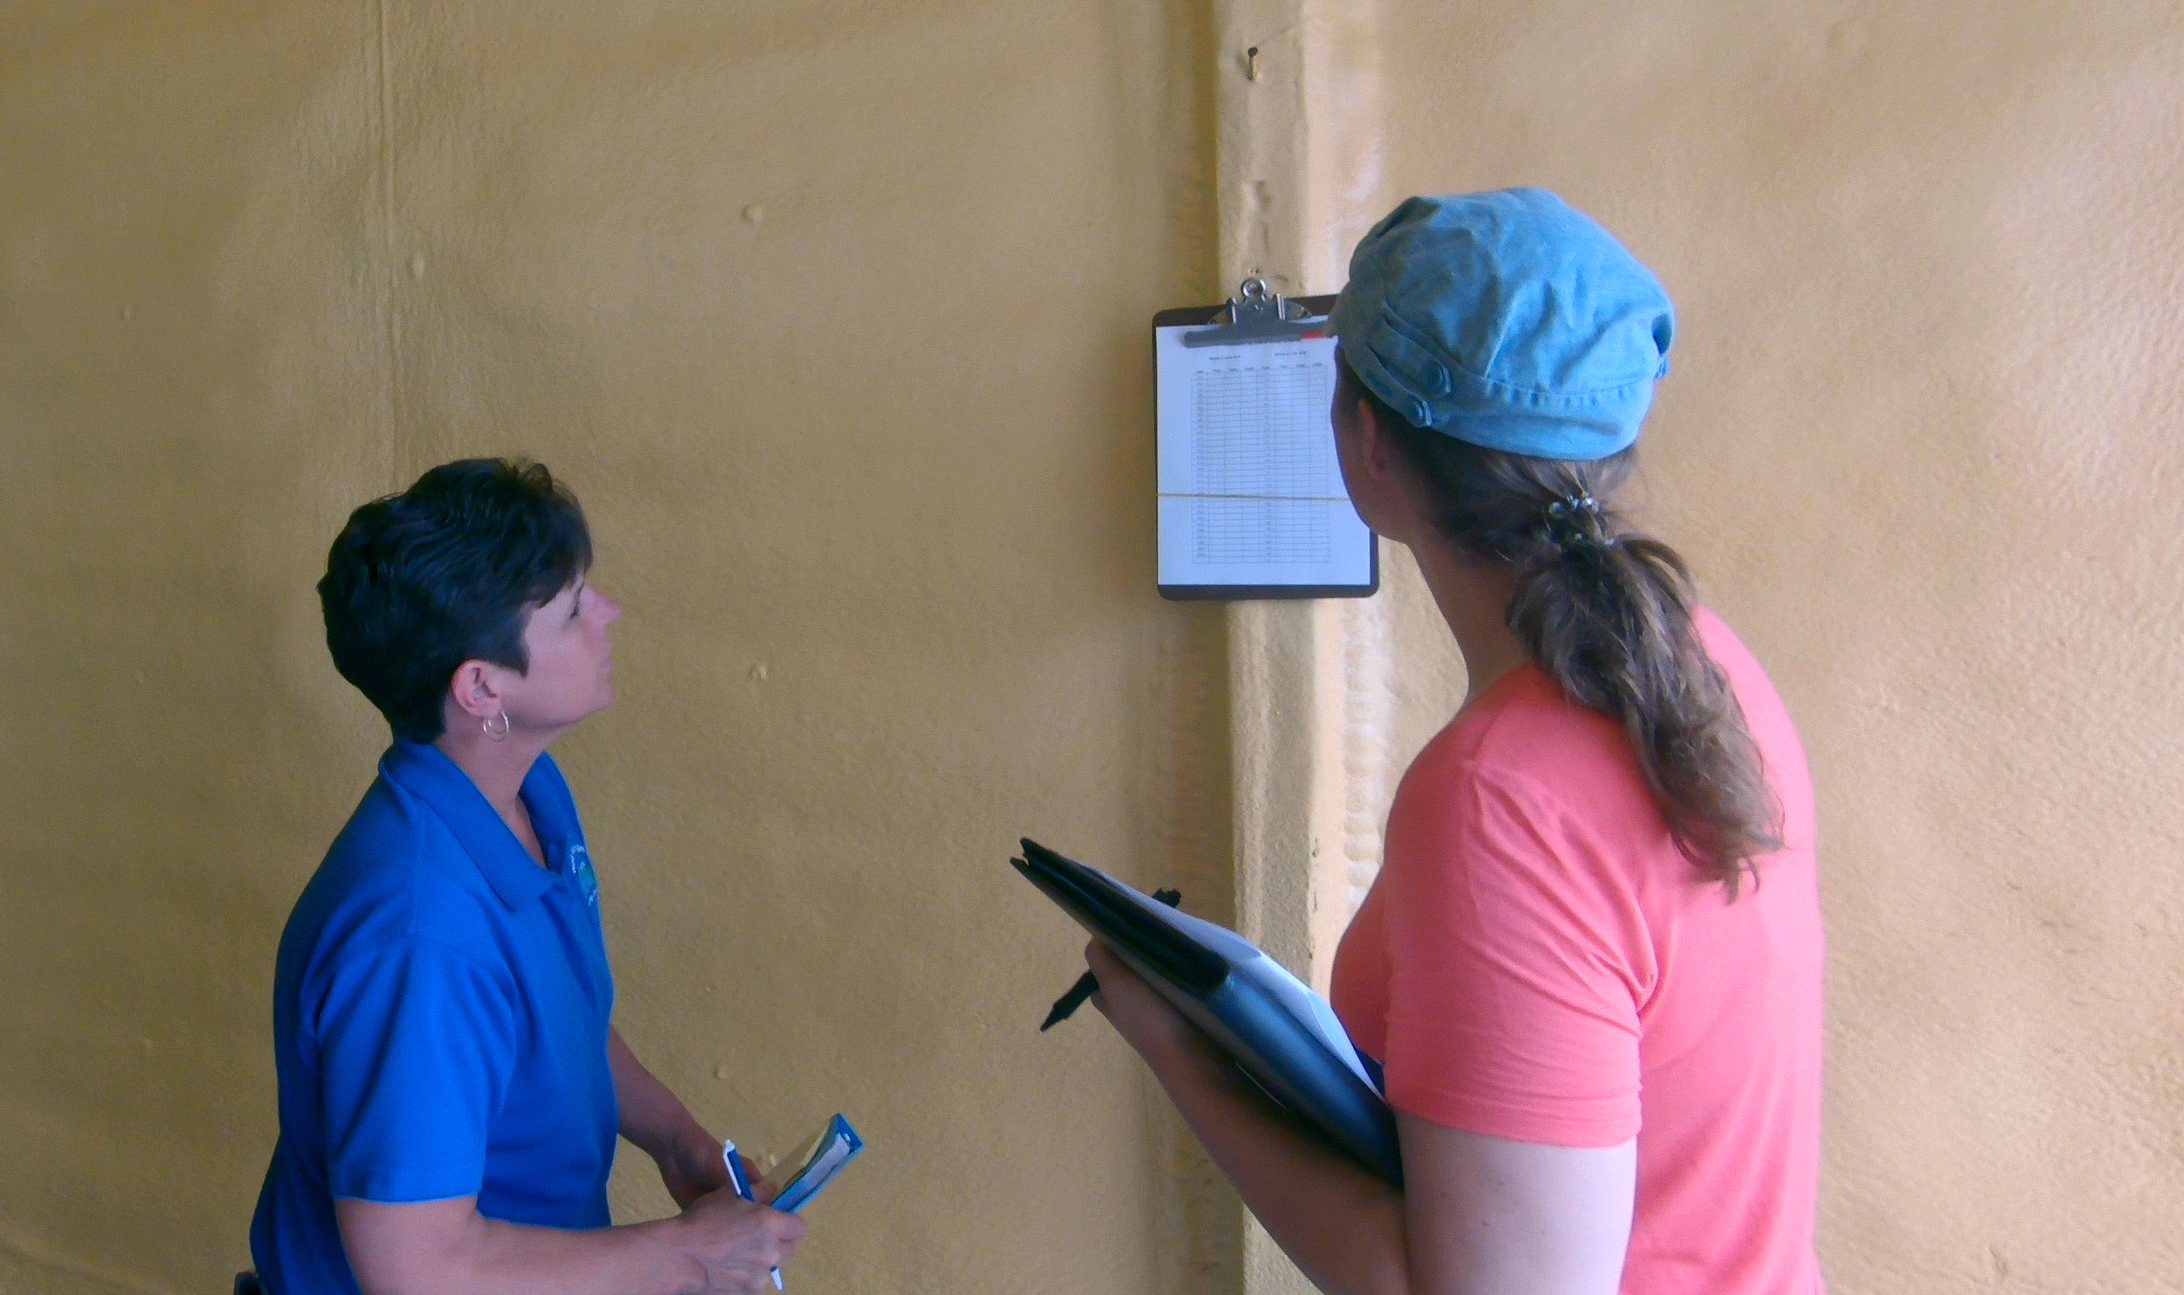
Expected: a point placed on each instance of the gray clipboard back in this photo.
(1255, 315)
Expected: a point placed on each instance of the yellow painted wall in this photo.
(835, 315)
(1921, 442)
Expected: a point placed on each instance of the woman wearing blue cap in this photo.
(451, 1083)
(1591, 962)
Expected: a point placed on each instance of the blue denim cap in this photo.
(1509, 320)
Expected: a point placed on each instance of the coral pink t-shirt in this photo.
(1537, 961)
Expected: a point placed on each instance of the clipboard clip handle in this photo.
(1256, 302)
(1257, 313)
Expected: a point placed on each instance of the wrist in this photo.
(687, 1138)
(679, 1272)
(1187, 1054)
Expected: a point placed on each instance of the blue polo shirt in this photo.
(440, 1009)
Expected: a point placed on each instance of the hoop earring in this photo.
(500, 734)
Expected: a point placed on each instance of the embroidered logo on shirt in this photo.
(586, 880)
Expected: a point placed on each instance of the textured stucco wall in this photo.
(835, 314)
(835, 317)
(1921, 444)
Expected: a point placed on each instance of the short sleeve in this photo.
(416, 1044)
(1516, 965)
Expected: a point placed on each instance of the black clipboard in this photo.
(1255, 315)
(1279, 1033)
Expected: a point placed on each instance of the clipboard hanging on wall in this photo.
(1252, 503)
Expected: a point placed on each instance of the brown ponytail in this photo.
(1606, 612)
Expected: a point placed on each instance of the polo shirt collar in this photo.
(425, 772)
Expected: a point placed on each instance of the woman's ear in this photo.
(473, 692)
(1382, 491)
(1378, 450)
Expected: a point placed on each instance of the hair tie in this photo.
(1575, 520)
(1572, 505)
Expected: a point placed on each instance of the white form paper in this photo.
(1250, 493)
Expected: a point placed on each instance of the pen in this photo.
(742, 1184)
(1088, 984)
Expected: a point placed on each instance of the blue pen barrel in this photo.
(742, 1183)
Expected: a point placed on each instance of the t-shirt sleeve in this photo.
(416, 1043)
(1515, 966)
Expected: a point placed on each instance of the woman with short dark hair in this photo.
(1597, 911)
(451, 1084)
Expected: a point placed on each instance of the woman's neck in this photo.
(498, 768)
(1474, 599)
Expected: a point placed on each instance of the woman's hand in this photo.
(1145, 1020)
(739, 1243)
(693, 1167)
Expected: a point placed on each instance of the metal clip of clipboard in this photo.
(1257, 313)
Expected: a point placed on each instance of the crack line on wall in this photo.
(389, 316)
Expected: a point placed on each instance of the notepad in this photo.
(1251, 498)
(804, 1172)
